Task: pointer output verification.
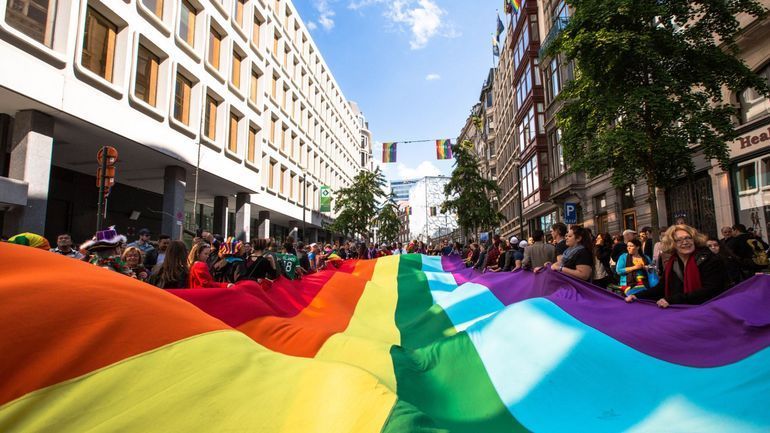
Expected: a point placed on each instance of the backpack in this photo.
(759, 255)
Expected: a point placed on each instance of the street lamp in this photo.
(304, 206)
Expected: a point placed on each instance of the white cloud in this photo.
(433, 77)
(423, 18)
(326, 13)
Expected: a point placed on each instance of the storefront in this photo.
(750, 181)
(742, 192)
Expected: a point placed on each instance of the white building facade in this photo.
(426, 221)
(224, 114)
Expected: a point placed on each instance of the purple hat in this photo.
(104, 239)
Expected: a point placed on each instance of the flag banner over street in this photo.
(389, 152)
(444, 149)
(403, 343)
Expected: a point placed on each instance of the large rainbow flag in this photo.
(400, 344)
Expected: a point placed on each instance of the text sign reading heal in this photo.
(570, 213)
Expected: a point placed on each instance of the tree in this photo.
(358, 204)
(648, 84)
(471, 197)
(388, 220)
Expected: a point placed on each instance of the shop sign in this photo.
(754, 139)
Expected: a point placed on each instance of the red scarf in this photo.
(691, 274)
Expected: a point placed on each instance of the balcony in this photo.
(567, 182)
(558, 25)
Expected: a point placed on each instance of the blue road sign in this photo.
(570, 213)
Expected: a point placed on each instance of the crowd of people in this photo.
(211, 262)
(681, 266)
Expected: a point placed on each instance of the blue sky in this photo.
(415, 67)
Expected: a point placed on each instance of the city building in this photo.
(365, 146)
(600, 206)
(426, 221)
(486, 146)
(708, 199)
(401, 189)
(224, 114)
(742, 193)
(479, 129)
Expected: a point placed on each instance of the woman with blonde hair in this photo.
(692, 275)
(200, 276)
(133, 258)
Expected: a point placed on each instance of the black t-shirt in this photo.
(582, 257)
(261, 268)
(304, 261)
(561, 246)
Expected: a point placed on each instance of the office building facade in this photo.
(224, 114)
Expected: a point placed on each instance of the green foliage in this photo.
(648, 86)
(475, 198)
(388, 220)
(357, 204)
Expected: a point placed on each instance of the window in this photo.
(291, 186)
(753, 104)
(187, 22)
(99, 44)
(271, 176)
(520, 48)
(526, 129)
(283, 139)
(530, 182)
(255, 30)
(627, 200)
(560, 12)
(272, 130)
(239, 7)
(274, 88)
(235, 75)
(540, 119)
(232, 138)
(746, 177)
(34, 18)
(210, 118)
(275, 46)
(156, 6)
(553, 72)
(558, 152)
(764, 166)
(215, 43)
(252, 144)
(282, 184)
(524, 86)
(182, 96)
(146, 85)
(600, 204)
(254, 86)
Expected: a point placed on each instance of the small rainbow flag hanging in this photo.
(389, 152)
(512, 5)
(444, 149)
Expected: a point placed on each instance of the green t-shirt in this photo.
(288, 264)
